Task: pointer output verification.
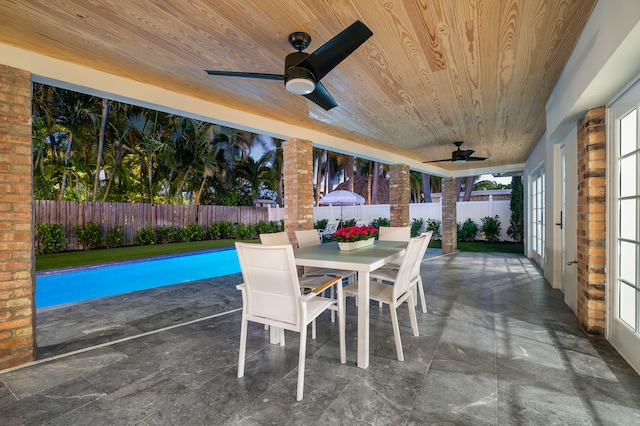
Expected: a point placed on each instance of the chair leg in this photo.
(396, 332)
(341, 324)
(243, 347)
(422, 298)
(412, 314)
(301, 359)
(282, 337)
(332, 296)
(313, 329)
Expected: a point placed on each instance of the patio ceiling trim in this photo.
(52, 71)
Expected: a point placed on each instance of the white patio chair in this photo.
(389, 272)
(275, 238)
(309, 238)
(394, 233)
(271, 295)
(396, 294)
(329, 230)
(362, 223)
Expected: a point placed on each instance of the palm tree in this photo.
(256, 174)
(103, 130)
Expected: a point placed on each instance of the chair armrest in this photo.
(240, 287)
(319, 289)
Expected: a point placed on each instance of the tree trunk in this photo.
(426, 187)
(119, 156)
(103, 130)
(67, 157)
(374, 182)
(348, 168)
(468, 187)
(318, 179)
(458, 188)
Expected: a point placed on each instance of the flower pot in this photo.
(356, 244)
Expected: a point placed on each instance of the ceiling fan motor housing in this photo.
(298, 80)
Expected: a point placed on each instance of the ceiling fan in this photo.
(303, 71)
(459, 156)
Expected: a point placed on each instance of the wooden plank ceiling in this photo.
(434, 72)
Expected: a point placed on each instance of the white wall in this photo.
(604, 61)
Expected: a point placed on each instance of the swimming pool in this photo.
(73, 285)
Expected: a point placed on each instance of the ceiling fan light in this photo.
(459, 161)
(300, 86)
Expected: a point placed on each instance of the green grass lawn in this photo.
(484, 247)
(93, 257)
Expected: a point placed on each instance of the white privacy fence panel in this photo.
(475, 210)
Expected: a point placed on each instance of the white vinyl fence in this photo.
(475, 210)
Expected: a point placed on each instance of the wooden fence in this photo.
(136, 216)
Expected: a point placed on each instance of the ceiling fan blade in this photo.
(321, 97)
(476, 158)
(246, 75)
(438, 161)
(330, 54)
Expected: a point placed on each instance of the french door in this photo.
(624, 228)
(536, 215)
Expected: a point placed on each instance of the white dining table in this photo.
(363, 260)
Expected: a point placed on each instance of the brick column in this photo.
(399, 194)
(449, 215)
(17, 277)
(592, 203)
(298, 186)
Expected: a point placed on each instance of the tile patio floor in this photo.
(498, 346)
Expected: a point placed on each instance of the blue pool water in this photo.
(60, 287)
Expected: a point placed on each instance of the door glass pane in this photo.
(627, 305)
(628, 129)
(627, 256)
(628, 219)
(628, 176)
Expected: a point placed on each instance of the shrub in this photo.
(263, 227)
(434, 225)
(49, 238)
(245, 231)
(168, 234)
(468, 231)
(416, 226)
(214, 231)
(491, 228)
(349, 222)
(321, 224)
(144, 236)
(89, 236)
(228, 231)
(381, 221)
(192, 232)
(115, 236)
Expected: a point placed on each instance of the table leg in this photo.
(363, 319)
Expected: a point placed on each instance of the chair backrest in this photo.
(362, 223)
(308, 238)
(394, 233)
(413, 256)
(331, 227)
(274, 239)
(272, 289)
(415, 272)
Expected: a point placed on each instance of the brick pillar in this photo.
(298, 186)
(592, 203)
(449, 215)
(399, 194)
(17, 277)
